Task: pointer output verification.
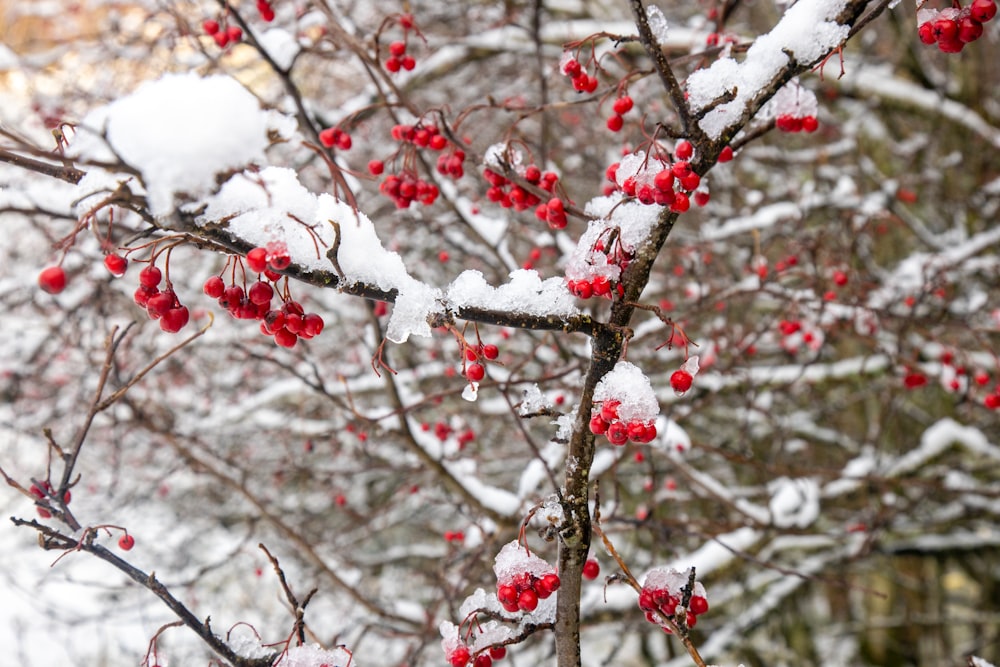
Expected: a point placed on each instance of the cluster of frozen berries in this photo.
(952, 28)
(601, 284)
(458, 653)
(571, 67)
(522, 591)
(605, 421)
(662, 594)
(398, 58)
(161, 305)
(407, 187)
(658, 182)
(511, 195)
(288, 322)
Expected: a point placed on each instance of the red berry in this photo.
(376, 167)
(681, 381)
(475, 372)
(810, 124)
(150, 276)
(598, 426)
(397, 48)
(591, 569)
(126, 542)
(914, 380)
(408, 63)
(159, 304)
(680, 203)
(527, 600)
(116, 265)
(615, 123)
(328, 137)
(623, 105)
(285, 338)
(52, 279)
(507, 594)
(393, 64)
(945, 30)
(683, 150)
(234, 33)
(175, 319)
(726, 154)
(839, 278)
(969, 30)
(617, 433)
(498, 652)
(609, 410)
(550, 582)
(210, 26)
(701, 197)
(983, 10)
(926, 33)
(214, 287)
(698, 605)
(260, 293)
(992, 401)
(312, 324)
(491, 351)
(459, 657)
(483, 660)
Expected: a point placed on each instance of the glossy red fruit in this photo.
(126, 542)
(698, 605)
(150, 276)
(983, 10)
(52, 279)
(527, 600)
(681, 381)
(214, 287)
(591, 569)
(623, 105)
(475, 372)
(257, 260)
(115, 264)
(175, 319)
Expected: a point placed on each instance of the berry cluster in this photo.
(790, 123)
(46, 491)
(265, 10)
(655, 181)
(621, 107)
(164, 305)
(662, 594)
(571, 67)
(608, 253)
(406, 187)
(605, 421)
(474, 369)
(398, 58)
(287, 323)
(952, 28)
(523, 578)
(458, 653)
(511, 195)
(795, 108)
(523, 591)
(223, 36)
(334, 136)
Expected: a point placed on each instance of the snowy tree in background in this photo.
(571, 333)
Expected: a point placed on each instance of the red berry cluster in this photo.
(605, 421)
(600, 284)
(406, 187)
(223, 35)
(334, 136)
(287, 323)
(621, 107)
(787, 122)
(952, 28)
(523, 591)
(46, 491)
(664, 602)
(52, 279)
(265, 10)
(668, 185)
(460, 654)
(164, 305)
(571, 67)
(398, 58)
(511, 195)
(474, 369)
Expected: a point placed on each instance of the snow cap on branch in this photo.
(627, 384)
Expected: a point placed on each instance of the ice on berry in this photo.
(657, 23)
(627, 384)
(792, 100)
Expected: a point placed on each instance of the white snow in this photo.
(806, 32)
(281, 45)
(794, 502)
(514, 559)
(629, 385)
(179, 132)
(525, 293)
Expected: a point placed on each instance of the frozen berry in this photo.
(681, 381)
